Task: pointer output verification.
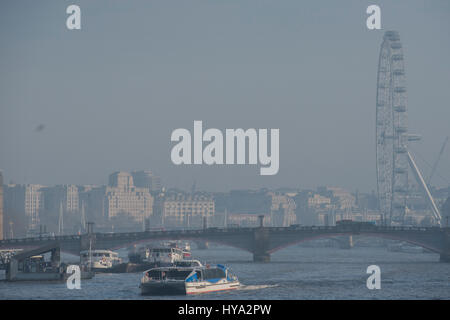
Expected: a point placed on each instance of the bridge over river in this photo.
(260, 241)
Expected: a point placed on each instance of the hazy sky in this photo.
(110, 94)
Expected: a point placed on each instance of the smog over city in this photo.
(294, 150)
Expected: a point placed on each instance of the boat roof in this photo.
(99, 251)
(190, 260)
(172, 268)
(201, 267)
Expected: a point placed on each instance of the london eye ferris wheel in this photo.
(392, 155)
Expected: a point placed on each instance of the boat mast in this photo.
(90, 254)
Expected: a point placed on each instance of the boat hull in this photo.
(162, 288)
(205, 287)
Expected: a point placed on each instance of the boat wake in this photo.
(257, 287)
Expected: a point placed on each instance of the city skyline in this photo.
(136, 200)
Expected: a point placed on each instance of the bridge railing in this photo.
(44, 238)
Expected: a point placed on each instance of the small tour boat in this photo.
(158, 256)
(99, 260)
(181, 280)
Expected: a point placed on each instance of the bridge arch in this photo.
(261, 241)
(131, 243)
(428, 246)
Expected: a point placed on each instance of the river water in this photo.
(294, 273)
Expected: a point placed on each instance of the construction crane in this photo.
(433, 169)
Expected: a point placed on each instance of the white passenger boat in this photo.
(158, 256)
(181, 280)
(99, 260)
(185, 249)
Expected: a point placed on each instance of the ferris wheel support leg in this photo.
(426, 191)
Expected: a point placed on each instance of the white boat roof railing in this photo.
(192, 260)
(99, 251)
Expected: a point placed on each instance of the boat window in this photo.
(169, 274)
(182, 263)
(214, 273)
(154, 274)
(177, 274)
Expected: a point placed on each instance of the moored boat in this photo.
(157, 256)
(99, 260)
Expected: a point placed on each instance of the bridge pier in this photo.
(261, 257)
(346, 242)
(87, 241)
(261, 245)
(445, 256)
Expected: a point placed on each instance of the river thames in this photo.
(294, 273)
